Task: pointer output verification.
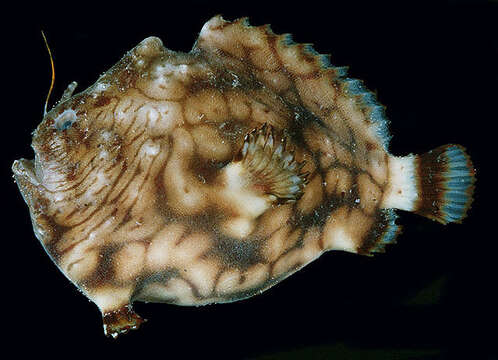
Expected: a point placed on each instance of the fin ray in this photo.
(271, 164)
(382, 234)
(318, 83)
(446, 180)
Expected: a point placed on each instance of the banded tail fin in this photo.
(438, 184)
(445, 181)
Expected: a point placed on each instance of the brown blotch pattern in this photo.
(138, 175)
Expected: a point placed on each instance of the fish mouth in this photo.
(25, 176)
(30, 188)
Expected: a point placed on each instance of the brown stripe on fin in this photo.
(384, 232)
(271, 165)
(445, 183)
(121, 321)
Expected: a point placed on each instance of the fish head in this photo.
(59, 142)
(80, 146)
(71, 148)
(56, 143)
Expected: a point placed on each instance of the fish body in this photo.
(210, 176)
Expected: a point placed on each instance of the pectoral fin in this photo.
(269, 165)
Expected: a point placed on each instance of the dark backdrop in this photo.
(430, 296)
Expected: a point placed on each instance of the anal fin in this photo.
(384, 232)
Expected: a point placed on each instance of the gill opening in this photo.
(53, 74)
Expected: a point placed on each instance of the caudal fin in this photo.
(438, 184)
(445, 180)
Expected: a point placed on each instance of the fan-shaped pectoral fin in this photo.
(266, 166)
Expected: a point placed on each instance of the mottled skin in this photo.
(131, 199)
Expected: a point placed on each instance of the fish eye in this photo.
(65, 120)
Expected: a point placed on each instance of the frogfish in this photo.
(210, 176)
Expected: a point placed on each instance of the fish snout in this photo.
(33, 194)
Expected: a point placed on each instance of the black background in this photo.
(430, 296)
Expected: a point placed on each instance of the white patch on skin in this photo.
(228, 281)
(152, 115)
(122, 110)
(110, 298)
(100, 86)
(102, 179)
(91, 236)
(108, 222)
(151, 148)
(160, 117)
(106, 135)
(168, 69)
(190, 249)
(129, 261)
(237, 192)
(161, 249)
(154, 291)
(341, 240)
(202, 274)
(58, 197)
(103, 155)
(401, 191)
(84, 266)
(238, 227)
(166, 82)
(39, 233)
(181, 290)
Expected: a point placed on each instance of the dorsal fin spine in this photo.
(364, 97)
(367, 99)
(364, 100)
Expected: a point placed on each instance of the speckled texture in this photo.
(213, 175)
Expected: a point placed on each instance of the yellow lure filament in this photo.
(53, 74)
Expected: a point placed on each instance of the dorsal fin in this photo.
(291, 69)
